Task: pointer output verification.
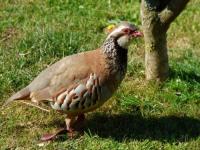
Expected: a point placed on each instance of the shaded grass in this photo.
(34, 34)
(165, 128)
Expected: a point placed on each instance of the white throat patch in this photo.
(124, 41)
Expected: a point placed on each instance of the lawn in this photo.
(141, 115)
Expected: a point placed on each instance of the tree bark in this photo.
(156, 18)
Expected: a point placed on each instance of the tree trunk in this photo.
(156, 18)
(156, 57)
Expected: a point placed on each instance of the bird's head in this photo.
(123, 33)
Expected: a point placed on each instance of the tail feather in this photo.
(20, 95)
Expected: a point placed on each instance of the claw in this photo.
(49, 137)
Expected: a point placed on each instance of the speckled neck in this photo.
(116, 55)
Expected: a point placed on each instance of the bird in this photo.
(82, 82)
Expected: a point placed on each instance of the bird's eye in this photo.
(126, 30)
(132, 31)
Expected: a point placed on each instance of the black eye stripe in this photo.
(126, 30)
(129, 31)
(132, 31)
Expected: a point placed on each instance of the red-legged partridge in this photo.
(82, 82)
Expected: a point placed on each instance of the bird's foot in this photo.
(71, 133)
(52, 136)
(73, 130)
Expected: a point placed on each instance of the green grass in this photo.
(34, 34)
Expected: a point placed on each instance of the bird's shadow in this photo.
(128, 126)
(131, 126)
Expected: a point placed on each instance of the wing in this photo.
(66, 73)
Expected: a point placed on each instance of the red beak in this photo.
(137, 34)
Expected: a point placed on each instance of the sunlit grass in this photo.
(34, 34)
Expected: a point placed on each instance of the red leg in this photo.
(81, 118)
(75, 128)
(80, 122)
